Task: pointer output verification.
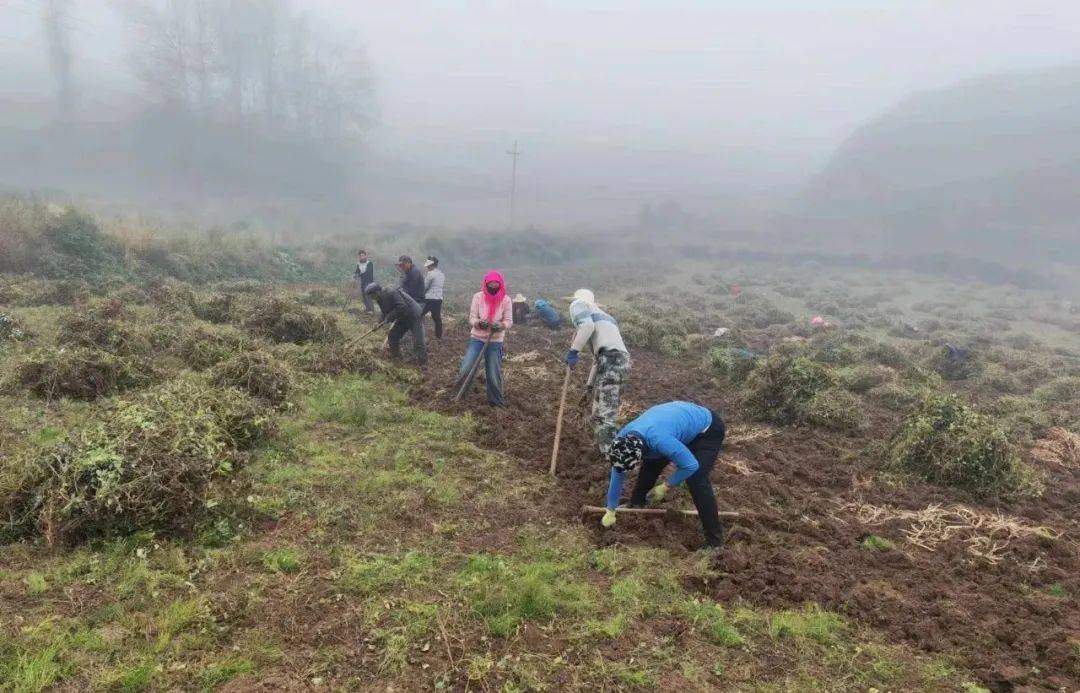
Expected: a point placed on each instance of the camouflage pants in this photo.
(612, 370)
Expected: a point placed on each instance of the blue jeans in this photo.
(492, 367)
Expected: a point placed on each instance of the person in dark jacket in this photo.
(364, 274)
(689, 436)
(412, 280)
(398, 308)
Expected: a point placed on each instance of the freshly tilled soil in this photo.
(793, 543)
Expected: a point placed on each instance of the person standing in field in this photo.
(403, 314)
(521, 309)
(599, 332)
(364, 274)
(411, 279)
(433, 293)
(686, 434)
(490, 316)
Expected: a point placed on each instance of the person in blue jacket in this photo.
(689, 436)
(550, 317)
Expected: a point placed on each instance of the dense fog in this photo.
(844, 125)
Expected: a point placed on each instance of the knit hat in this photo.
(626, 452)
(372, 288)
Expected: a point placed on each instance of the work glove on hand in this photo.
(608, 520)
(484, 325)
(657, 493)
(497, 327)
(572, 358)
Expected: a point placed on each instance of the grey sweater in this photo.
(595, 329)
(433, 285)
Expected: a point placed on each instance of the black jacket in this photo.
(367, 276)
(395, 304)
(413, 283)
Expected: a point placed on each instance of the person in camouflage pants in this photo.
(612, 372)
(611, 366)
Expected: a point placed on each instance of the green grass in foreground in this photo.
(373, 544)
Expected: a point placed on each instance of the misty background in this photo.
(840, 125)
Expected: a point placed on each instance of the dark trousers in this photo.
(705, 448)
(413, 324)
(434, 306)
(369, 305)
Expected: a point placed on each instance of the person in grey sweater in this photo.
(599, 332)
(433, 293)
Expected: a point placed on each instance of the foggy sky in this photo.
(617, 102)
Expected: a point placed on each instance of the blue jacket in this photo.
(550, 316)
(667, 429)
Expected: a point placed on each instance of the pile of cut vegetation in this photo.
(149, 462)
(947, 442)
(335, 358)
(105, 326)
(80, 373)
(283, 320)
(201, 347)
(791, 388)
(257, 373)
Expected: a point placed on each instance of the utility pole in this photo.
(514, 154)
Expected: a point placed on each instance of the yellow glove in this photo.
(608, 520)
(657, 493)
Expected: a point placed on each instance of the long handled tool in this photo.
(598, 510)
(558, 422)
(471, 373)
(367, 334)
(589, 384)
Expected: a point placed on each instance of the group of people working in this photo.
(687, 435)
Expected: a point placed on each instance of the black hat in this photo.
(372, 288)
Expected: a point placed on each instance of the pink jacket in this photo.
(478, 311)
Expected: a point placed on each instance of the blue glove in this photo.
(571, 358)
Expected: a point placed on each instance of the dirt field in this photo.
(983, 583)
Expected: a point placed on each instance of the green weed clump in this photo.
(946, 442)
(782, 386)
(80, 373)
(644, 331)
(147, 463)
(257, 373)
(283, 320)
(731, 365)
(505, 594)
(862, 378)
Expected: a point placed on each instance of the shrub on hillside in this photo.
(147, 463)
(780, 388)
(283, 320)
(946, 442)
(731, 364)
(80, 373)
(257, 373)
(1060, 391)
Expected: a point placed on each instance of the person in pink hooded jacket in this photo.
(490, 316)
